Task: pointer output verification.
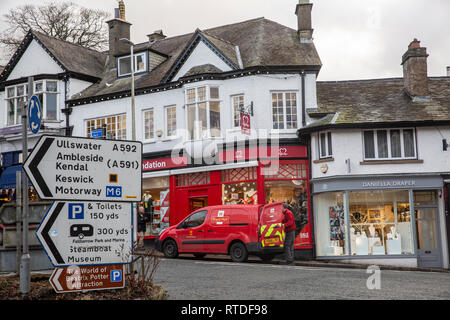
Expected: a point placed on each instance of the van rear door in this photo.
(271, 229)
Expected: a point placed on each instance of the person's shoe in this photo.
(290, 263)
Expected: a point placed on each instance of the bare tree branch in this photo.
(63, 20)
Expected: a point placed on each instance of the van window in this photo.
(196, 219)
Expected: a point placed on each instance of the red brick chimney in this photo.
(415, 74)
(118, 28)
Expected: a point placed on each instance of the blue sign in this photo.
(116, 275)
(34, 114)
(113, 192)
(97, 133)
(76, 211)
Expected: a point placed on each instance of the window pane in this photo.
(11, 107)
(330, 149)
(202, 120)
(171, 116)
(214, 92)
(52, 86)
(323, 149)
(380, 223)
(191, 121)
(277, 110)
(291, 111)
(38, 87)
(369, 147)
(408, 140)
(426, 234)
(190, 95)
(140, 63)
(124, 66)
(19, 105)
(51, 106)
(196, 219)
(329, 210)
(214, 118)
(149, 125)
(20, 91)
(396, 150)
(11, 92)
(201, 94)
(382, 144)
(238, 102)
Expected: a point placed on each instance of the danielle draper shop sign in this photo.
(373, 183)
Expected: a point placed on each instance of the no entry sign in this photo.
(86, 278)
(63, 168)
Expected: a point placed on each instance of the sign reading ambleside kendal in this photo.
(63, 168)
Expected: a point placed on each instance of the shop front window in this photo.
(156, 204)
(239, 186)
(380, 223)
(330, 224)
(294, 193)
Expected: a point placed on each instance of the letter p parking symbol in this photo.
(116, 275)
(76, 211)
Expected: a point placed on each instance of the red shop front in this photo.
(261, 176)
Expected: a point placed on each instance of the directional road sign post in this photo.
(87, 233)
(82, 169)
(87, 278)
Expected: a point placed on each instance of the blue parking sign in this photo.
(116, 275)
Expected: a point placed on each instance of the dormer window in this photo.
(124, 64)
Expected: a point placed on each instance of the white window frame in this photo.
(233, 110)
(118, 118)
(284, 92)
(207, 133)
(44, 93)
(388, 133)
(328, 140)
(144, 127)
(136, 70)
(166, 122)
(15, 97)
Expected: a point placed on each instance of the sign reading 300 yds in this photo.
(87, 233)
(63, 168)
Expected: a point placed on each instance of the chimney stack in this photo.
(155, 36)
(415, 74)
(303, 12)
(118, 28)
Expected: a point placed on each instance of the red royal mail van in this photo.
(237, 230)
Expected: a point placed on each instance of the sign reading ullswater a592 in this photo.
(70, 168)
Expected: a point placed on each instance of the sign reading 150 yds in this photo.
(87, 233)
(66, 168)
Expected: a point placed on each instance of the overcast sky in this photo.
(356, 39)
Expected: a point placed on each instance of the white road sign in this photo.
(87, 233)
(69, 168)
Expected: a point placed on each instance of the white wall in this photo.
(34, 61)
(348, 144)
(255, 88)
(201, 55)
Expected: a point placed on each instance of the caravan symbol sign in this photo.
(63, 168)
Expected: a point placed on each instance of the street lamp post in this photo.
(133, 111)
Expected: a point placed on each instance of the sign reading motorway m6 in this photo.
(87, 233)
(70, 168)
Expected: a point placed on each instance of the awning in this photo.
(8, 177)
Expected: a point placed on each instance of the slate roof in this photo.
(69, 56)
(262, 43)
(379, 101)
(203, 69)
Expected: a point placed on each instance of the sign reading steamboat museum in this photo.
(81, 169)
(87, 233)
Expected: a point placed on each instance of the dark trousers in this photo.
(289, 246)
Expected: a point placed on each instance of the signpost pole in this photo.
(18, 220)
(25, 261)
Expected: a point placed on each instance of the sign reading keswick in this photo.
(63, 168)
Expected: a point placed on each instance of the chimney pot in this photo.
(155, 36)
(118, 28)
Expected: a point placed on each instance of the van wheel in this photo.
(238, 252)
(170, 249)
(199, 255)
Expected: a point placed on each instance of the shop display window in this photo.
(331, 224)
(156, 204)
(380, 223)
(295, 194)
(240, 193)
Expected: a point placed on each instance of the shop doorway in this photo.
(447, 214)
(427, 226)
(196, 203)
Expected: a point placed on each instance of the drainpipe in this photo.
(302, 74)
(67, 110)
